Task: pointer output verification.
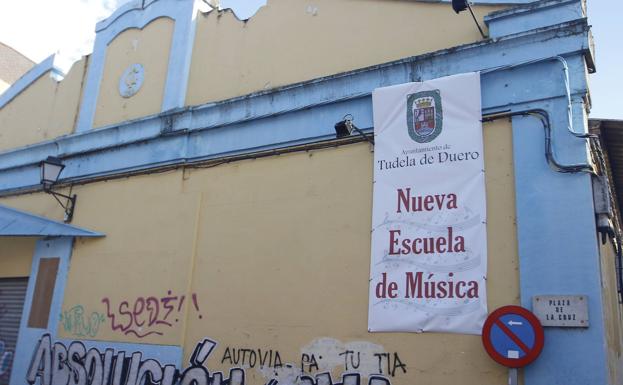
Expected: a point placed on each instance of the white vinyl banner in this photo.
(429, 242)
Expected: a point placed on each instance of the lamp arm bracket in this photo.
(366, 137)
(56, 194)
(68, 206)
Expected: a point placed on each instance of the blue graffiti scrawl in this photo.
(5, 360)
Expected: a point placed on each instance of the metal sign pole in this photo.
(512, 376)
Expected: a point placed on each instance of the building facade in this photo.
(12, 66)
(221, 231)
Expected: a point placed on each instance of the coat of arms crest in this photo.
(424, 115)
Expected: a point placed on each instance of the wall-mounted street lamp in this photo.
(345, 127)
(51, 169)
(460, 6)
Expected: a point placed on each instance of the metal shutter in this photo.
(12, 294)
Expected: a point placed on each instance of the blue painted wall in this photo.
(558, 254)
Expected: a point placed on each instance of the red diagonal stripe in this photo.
(512, 336)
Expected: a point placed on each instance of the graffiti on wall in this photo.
(75, 322)
(5, 359)
(367, 358)
(145, 316)
(252, 358)
(323, 355)
(317, 360)
(59, 364)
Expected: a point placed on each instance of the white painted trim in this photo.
(138, 14)
(180, 58)
(133, 5)
(48, 65)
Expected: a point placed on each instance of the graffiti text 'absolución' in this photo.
(57, 364)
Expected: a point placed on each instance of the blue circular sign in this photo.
(513, 336)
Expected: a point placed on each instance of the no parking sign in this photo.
(513, 336)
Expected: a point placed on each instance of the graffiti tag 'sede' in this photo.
(143, 316)
(58, 365)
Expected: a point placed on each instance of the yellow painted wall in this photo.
(149, 47)
(277, 251)
(612, 312)
(45, 110)
(289, 41)
(149, 225)
(16, 256)
(282, 263)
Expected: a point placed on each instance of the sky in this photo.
(39, 28)
(606, 85)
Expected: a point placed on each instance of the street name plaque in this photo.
(569, 311)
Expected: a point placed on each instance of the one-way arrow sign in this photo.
(512, 336)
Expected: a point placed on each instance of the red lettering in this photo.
(441, 243)
(404, 199)
(391, 290)
(393, 242)
(414, 282)
(428, 203)
(429, 245)
(406, 246)
(138, 310)
(416, 249)
(459, 293)
(153, 306)
(410, 203)
(381, 287)
(128, 313)
(472, 292)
